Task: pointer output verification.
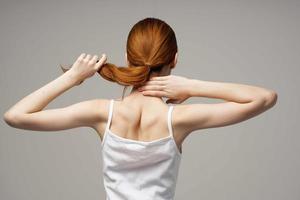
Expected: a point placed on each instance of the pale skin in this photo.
(28, 113)
(241, 102)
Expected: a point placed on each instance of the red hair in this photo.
(151, 44)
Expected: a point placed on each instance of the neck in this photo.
(134, 90)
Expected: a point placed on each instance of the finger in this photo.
(94, 59)
(155, 83)
(101, 61)
(88, 57)
(155, 93)
(159, 78)
(152, 87)
(81, 57)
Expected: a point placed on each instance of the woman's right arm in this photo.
(242, 101)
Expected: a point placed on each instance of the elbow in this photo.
(11, 119)
(269, 99)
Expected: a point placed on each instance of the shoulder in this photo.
(95, 110)
(178, 118)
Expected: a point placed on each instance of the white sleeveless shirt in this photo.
(139, 170)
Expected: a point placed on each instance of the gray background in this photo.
(250, 42)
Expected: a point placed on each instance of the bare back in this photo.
(140, 119)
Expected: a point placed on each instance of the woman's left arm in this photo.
(28, 113)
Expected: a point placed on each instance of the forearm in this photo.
(239, 93)
(40, 98)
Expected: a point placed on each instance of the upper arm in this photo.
(85, 113)
(193, 117)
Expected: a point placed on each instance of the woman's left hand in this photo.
(86, 66)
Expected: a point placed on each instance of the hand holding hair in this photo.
(85, 66)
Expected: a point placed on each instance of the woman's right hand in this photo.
(175, 88)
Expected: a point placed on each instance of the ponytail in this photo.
(125, 76)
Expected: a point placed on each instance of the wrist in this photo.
(71, 77)
(192, 85)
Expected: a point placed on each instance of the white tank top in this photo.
(139, 170)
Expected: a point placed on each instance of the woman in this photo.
(141, 135)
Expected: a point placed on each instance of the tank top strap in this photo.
(110, 112)
(169, 120)
(111, 106)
